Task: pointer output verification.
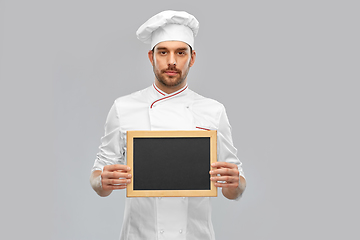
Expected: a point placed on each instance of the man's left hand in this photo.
(229, 175)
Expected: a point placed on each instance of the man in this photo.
(167, 105)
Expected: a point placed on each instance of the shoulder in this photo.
(138, 97)
(207, 104)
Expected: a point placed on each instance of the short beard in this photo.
(178, 82)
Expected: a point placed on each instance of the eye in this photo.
(181, 53)
(162, 53)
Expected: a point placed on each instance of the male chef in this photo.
(168, 104)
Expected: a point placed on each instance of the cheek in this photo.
(158, 65)
(185, 65)
(188, 61)
(155, 65)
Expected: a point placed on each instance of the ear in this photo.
(193, 57)
(151, 57)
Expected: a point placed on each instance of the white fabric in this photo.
(152, 109)
(172, 32)
(169, 26)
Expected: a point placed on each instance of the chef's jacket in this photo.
(180, 218)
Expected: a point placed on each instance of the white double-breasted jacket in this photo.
(151, 109)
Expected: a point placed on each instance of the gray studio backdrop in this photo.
(287, 72)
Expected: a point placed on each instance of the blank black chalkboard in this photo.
(171, 163)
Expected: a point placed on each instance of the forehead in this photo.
(172, 45)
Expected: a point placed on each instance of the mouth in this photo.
(171, 73)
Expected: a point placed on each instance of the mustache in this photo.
(171, 68)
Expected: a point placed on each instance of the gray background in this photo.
(287, 72)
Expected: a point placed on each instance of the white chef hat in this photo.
(169, 26)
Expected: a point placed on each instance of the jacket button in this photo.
(180, 231)
(161, 231)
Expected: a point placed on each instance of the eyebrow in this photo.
(183, 49)
(161, 48)
(178, 49)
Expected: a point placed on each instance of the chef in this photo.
(168, 104)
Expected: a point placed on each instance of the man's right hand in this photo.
(113, 177)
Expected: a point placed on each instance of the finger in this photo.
(228, 179)
(114, 187)
(227, 185)
(223, 165)
(117, 167)
(115, 181)
(225, 171)
(115, 175)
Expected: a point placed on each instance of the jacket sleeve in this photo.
(226, 150)
(112, 146)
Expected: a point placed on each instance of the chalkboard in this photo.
(171, 163)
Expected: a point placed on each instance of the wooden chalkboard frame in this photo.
(198, 134)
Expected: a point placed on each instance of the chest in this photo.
(169, 115)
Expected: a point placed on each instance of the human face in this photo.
(171, 62)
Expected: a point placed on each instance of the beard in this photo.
(171, 81)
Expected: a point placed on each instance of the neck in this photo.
(169, 89)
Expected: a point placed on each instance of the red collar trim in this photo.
(158, 90)
(171, 95)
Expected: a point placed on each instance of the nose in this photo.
(171, 60)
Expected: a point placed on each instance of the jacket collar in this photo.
(162, 95)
